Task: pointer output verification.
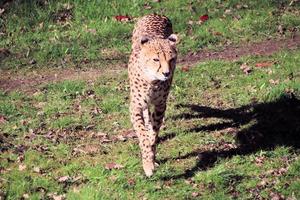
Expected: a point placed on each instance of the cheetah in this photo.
(150, 70)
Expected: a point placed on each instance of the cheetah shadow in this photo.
(268, 125)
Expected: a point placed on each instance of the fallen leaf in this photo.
(92, 31)
(276, 196)
(227, 12)
(25, 196)
(67, 6)
(55, 196)
(76, 179)
(85, 149)
(111, 166)
(189, 181)
(41, 25)
(190, 22)
(129, 134)
(246, 69)
(216, 33)
(185, 68)
(147, 6)
(131, 182)
(263, 64)
(274, 82)
(203, 18)
(113, 178)
(125, 135)
(239, 6)
(281, 29)
(120, 138)
(195, 194)
(63, 179)
(1, 11)
(2, 119)
(122, 18)
(22, 167)
(32, 62)
(37, 169)
(76, 190)
(259, 161)
(168, 183)
(262, 183)
(64, 15)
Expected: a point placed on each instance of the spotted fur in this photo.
(150, 70)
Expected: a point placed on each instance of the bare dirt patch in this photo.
(30, 82)
(267, 47)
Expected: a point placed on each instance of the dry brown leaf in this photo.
(92, 31)
(2, 119)
(264, 64)
(185, 68)
(122, 18)
(246, 69)
(55, 196)
(131, 182)
(112, 165)
(259, 160)
(22, 167)
(63, 179)
(125, 135)
(1, 11)
(216, 33)
(86, 149)
(195, 194)
(37, 169)
(147, 6)
(274, 82)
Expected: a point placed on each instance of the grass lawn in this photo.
(228, 133)
(71, 33)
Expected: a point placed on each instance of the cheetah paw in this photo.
(148, 168)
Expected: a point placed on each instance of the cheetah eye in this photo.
(155, 59)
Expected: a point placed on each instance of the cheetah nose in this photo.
(166, 74)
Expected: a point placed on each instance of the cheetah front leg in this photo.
(156, 120)
(140, 121)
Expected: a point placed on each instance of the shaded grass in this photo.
(37, 30)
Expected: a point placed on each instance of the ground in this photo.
(232, 123)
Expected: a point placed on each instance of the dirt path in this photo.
(29, 82)
(267, 47)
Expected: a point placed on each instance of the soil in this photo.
(30, 82)
(231, 53)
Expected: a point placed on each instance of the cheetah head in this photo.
(158, 57)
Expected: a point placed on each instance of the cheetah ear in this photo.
(173, 39)
(144, 39)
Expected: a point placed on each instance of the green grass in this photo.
(226, 136)
(31, 30)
